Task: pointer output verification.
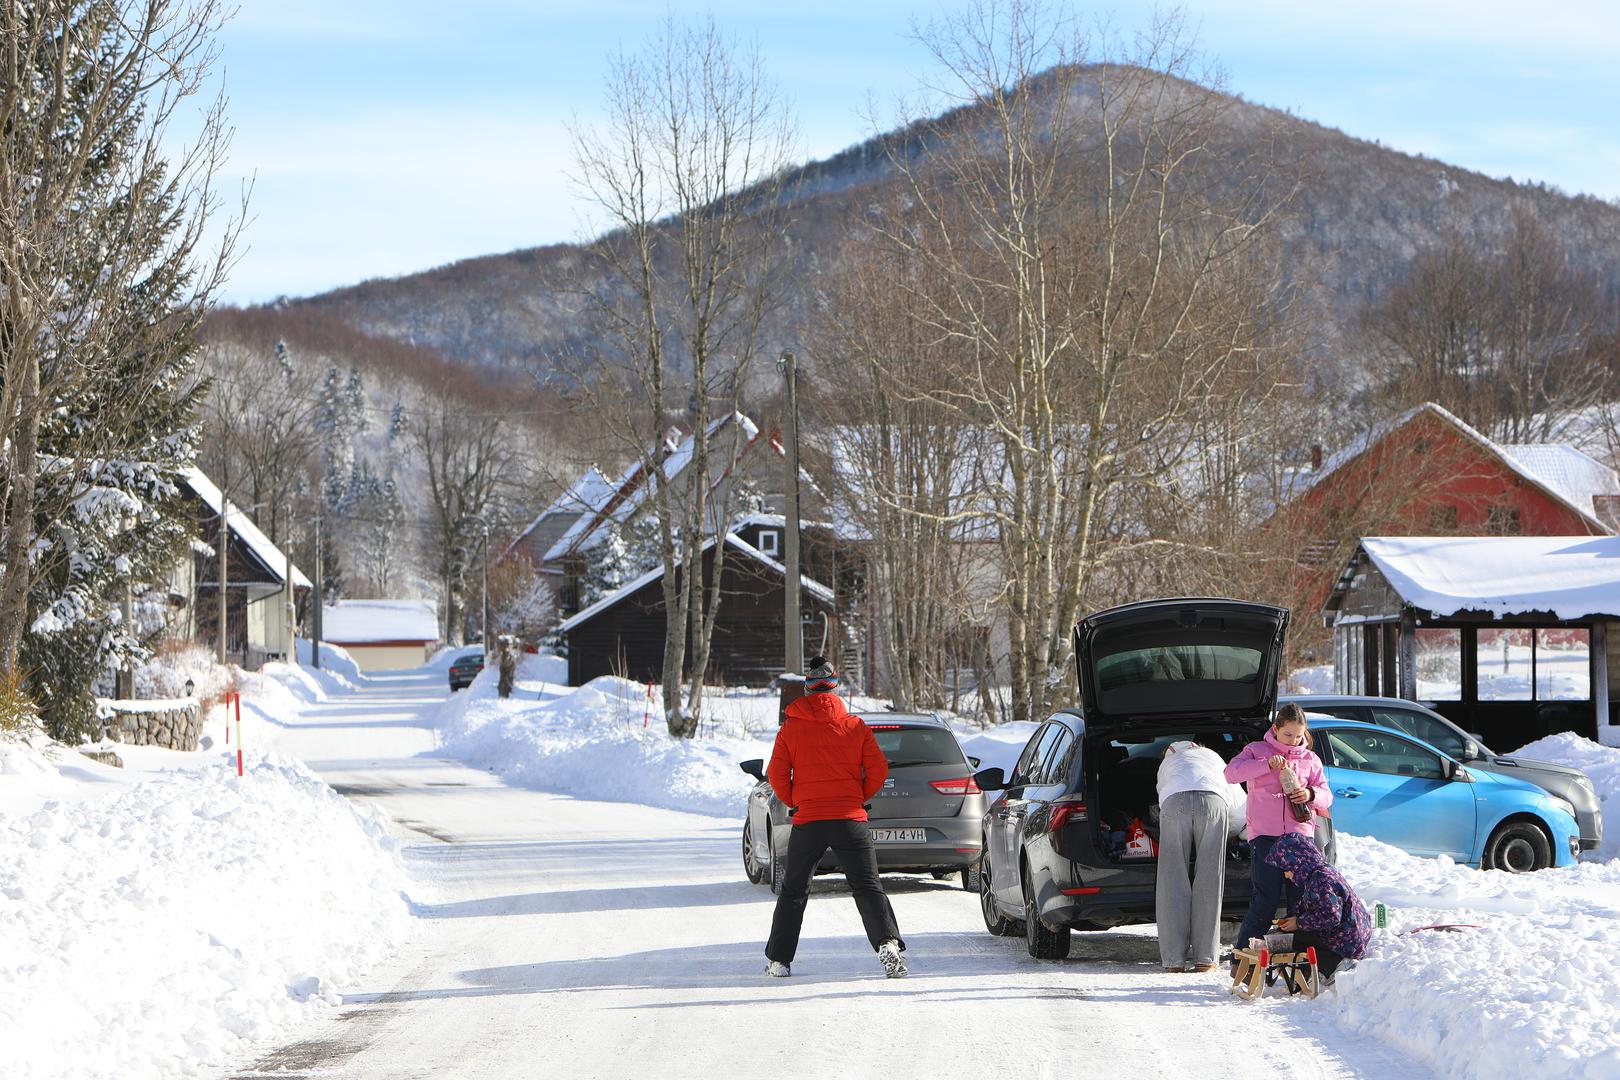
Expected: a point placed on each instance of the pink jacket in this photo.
(1267, 809)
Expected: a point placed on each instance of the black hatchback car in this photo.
(1150, 673)
(925, 819)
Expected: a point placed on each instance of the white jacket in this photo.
(1190, 767)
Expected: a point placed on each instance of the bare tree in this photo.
(1501, 337)
(1099, 250)
(685, 172)
(103, 270)
(467, 459)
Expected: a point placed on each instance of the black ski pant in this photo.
(852, 844)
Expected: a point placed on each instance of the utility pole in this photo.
(485, 524)
(291, 614)
(793, 661)
(224, 546)
(315, 609)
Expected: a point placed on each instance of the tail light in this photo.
(1065, 811)
(961, 786)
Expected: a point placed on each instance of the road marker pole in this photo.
(646, 709)
(237, 694)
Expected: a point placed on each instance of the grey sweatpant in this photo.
(1187, 903)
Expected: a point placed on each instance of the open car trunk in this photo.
(1122, 773)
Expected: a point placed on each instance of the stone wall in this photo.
(175, 724)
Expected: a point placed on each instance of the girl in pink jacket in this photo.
(1258, 767)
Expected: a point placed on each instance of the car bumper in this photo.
(1591, 830)
(953, 843)
(1122, 906)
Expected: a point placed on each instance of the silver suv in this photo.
(1398, 714)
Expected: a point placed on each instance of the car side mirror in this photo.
(973, 761)
(1456, 772)
(754, 767)
(990, 780)
(1472, 751)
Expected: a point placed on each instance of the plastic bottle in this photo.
(1291, 784)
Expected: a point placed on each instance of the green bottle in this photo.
(1380, 915)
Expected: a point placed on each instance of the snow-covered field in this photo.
(161, 919)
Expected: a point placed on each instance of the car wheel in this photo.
(751, 866)
(1043, 944)
(970, 878)
(1518, 847)
(773, 869)
(994, 921)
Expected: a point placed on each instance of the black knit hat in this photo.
(819, 676)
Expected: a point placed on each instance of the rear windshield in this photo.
(918, 746)
(1175, 663)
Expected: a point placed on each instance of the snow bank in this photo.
(162, 931)
(1602, 764)
(604, 740)
(998, 747)
(1527, 994)
(336, 664)
(1309, 680)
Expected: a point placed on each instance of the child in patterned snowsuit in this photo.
(1328, 914)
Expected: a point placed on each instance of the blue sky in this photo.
(387, 136)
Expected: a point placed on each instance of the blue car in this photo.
(1404, 792)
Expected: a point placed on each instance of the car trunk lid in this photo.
(1209, 659)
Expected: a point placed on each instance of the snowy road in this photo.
(587, 939)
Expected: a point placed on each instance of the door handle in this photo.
(1348, 792)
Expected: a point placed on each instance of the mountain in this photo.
(1361, 213)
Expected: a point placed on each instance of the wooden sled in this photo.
(1259, 968)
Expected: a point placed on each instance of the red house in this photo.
(1427, 473)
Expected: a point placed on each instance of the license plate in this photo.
(899, 836)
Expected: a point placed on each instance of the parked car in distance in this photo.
(1398, 714)
(465, 668)
(1149, 673)
(1405, 792)
(925, 818)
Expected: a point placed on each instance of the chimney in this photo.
(1316, 457)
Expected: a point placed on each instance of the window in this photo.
(1502, 519)
(1439, 664)
(1034, 751)
(918, 746)
(1380, 752)
(1051, 768)
(1436, 733)
(1170, 663)
(1442, 519)
(1503, 662)
(1563, 664)
(770, 542)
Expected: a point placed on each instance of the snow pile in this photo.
(1602, 764)
(1531, 987)
(605, 740)
(162, 931)
(998, 747)
(1310, 680)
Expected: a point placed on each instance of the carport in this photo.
(1508, 636)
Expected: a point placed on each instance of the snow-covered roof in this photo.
(1565, 470)
(1555, 468)
(1569, 576)
(357, 622)
(242, 525)
(814, 588)
(588, 495)
(631, 490)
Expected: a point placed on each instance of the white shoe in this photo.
(777, 970)
(892, 959)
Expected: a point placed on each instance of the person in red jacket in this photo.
(825, 767)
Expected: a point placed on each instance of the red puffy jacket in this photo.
(826, 761)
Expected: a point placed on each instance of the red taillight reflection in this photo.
(961, 786)
(1065, 811)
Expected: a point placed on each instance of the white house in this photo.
(382, 635)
